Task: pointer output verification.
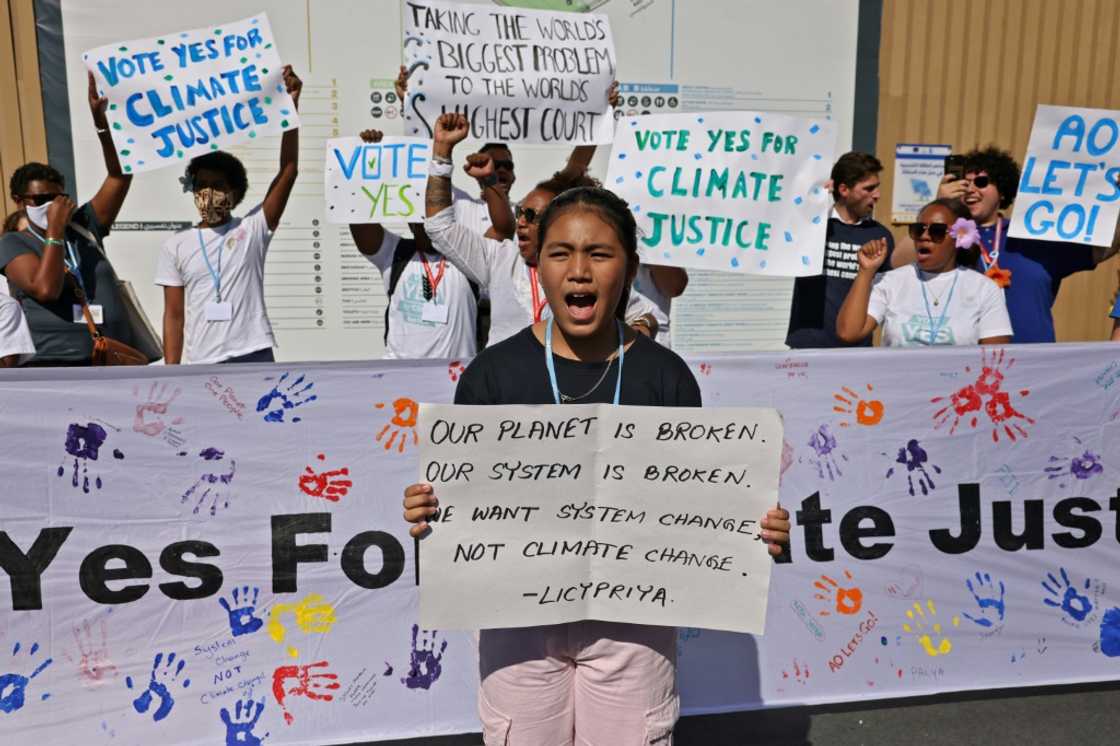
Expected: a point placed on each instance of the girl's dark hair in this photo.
(965, 257)
(226, 164)
(1000, 166)
(29, 172)
(614, 211)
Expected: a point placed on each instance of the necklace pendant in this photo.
(936, 302)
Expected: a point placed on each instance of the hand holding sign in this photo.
(97, 104)
(292, 84)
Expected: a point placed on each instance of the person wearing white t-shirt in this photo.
(213, 275)
(16, 345)
(661, 284)
(433, 307)
(936, 301)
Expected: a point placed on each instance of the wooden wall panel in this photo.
(22, 132)
(972, 73)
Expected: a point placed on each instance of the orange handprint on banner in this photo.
(403, 423)
(866, 411)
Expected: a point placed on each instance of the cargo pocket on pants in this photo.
(495, 724)
(661, 720)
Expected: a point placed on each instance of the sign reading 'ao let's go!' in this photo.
(175, 96)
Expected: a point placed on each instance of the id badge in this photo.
(95, 310)
(434, 313)
(216, 311)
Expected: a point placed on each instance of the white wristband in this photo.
(435, 168)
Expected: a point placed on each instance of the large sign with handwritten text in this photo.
(556, 514)
(518, 75)
(381, 182)
(204, 554)
(1070, 186)
(735, 191)
(182, 94)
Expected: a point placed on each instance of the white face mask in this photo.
(37, 215)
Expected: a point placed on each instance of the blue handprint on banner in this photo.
(1110, 633)
(159, 686)
(990, 602)
(13, 686)
(1074, 605)
(280, 399)
(240, 725)
(242, 617)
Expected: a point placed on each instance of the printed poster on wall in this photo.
(734, 191)
(918, 170)
(179, 95)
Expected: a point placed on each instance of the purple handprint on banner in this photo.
(915, 458)
(280, 398)
(826, 458)
(424, 664)
(1080, 467)
(214, 481)
(83, 444)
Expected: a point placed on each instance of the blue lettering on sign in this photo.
(384, 160)
(1098, 140)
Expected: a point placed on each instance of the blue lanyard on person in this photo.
(935, 328)
(215, 277)
(556, 395)
(72, 259)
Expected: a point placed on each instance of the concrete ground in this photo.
(1083, 714)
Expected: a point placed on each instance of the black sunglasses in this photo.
(41, 199)
(506, 165)
(937, 231)
(531, 216)
(980, 181)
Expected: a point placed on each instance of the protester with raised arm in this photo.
(213, 274)
(58, 258)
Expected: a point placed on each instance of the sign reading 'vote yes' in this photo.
(376, 182)
(734, 191)
(183, 94)
(552, 514)
(1070, 187)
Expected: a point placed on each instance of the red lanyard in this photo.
(434, 280)
(538, 302)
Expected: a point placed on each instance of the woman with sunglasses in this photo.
(587, 682)
(507, 269)
(58, 255)
(937, 300)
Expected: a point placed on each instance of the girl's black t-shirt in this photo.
(514, 372)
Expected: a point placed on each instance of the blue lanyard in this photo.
(935, 329)
(72, 260)
(215, 277)
(552, 366)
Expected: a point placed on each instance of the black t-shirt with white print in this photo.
(817, 300)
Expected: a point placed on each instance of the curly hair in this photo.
(224, 163)
(614, 211)
(1000, 166)
(29, 172)
(562, 181)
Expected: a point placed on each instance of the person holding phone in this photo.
(57, 257)
(1029, 270)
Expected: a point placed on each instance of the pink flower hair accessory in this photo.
(965, 233)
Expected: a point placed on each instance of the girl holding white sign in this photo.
(938, 300)
(589, 681)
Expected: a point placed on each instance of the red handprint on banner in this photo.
(303, 683)
(327, 484)
(985, 395)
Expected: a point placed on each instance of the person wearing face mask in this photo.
(57, 256)
(936, 301)
(213, 274)
(507, 269)
(1029, 270)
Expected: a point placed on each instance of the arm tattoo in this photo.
(438, 194)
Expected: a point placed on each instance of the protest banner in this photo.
(1070, 187)
(376, 182)
(953, 509)
(555, 514)
(735, 191)
(179, 95)
(518, 75)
